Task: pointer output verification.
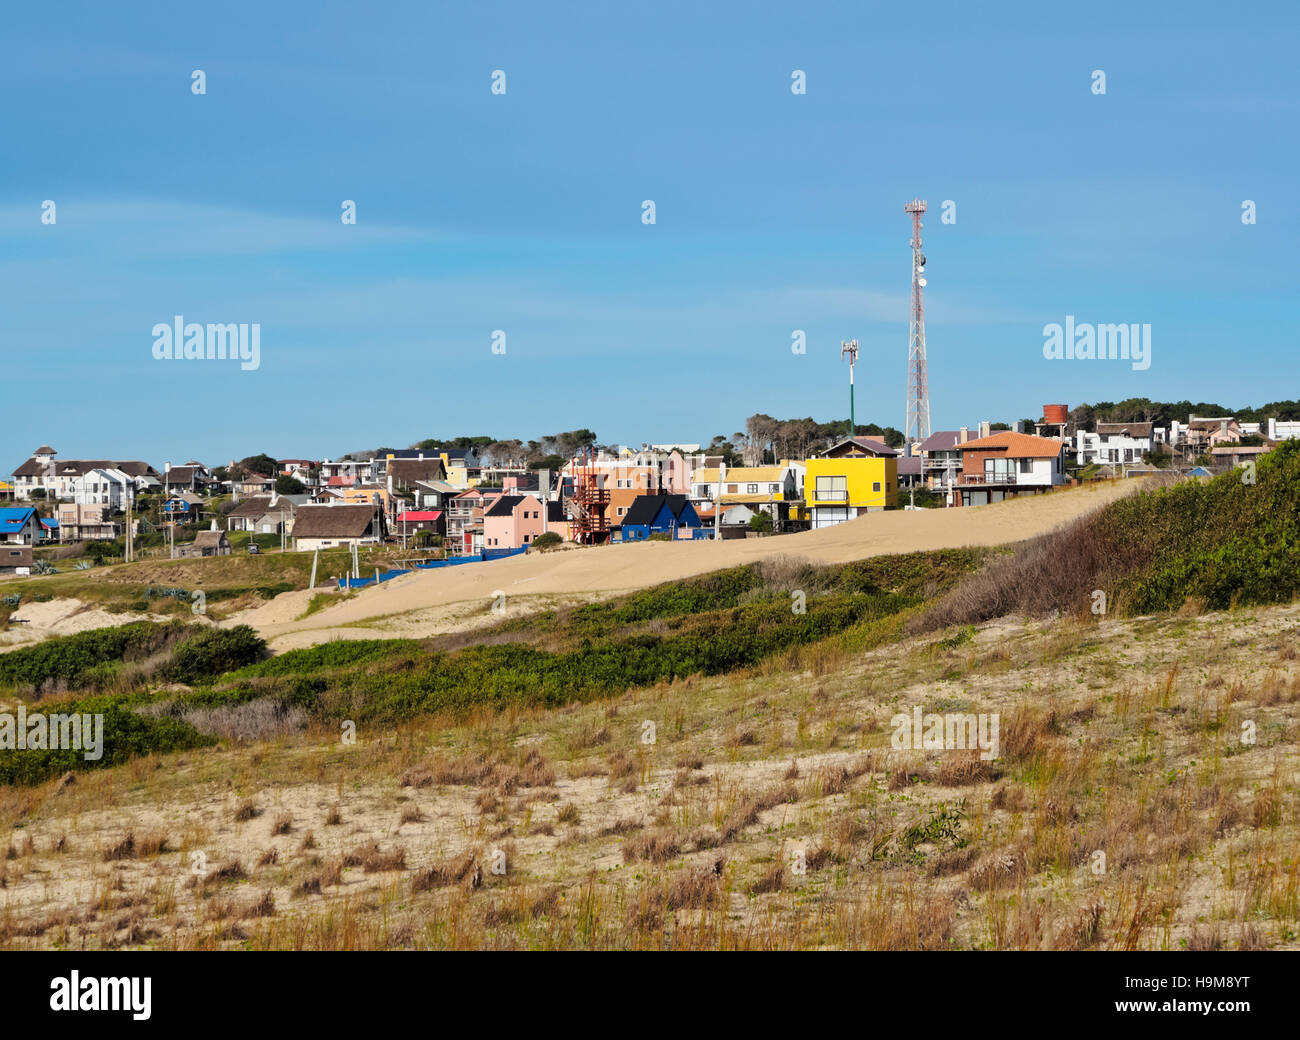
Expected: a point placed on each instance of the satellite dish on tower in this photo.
(921, 282)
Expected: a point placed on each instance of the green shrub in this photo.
(126, 734)
(213, 652)
(75, 658)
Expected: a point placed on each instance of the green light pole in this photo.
(850, 347)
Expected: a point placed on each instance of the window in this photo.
(875, 485)
(1000, 470)
(1026, 465)
(773, 488)
(832, 489)
(751, 489)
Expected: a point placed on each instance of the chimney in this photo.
(167, 467)
(964, 435)
(984, 428)
(544, 484)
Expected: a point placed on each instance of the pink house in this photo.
(513, 521)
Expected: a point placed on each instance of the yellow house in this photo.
(458, 471)
(367, 494)
(837, 490)
(773, 490)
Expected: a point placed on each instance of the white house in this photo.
(102, 487)
(1282, 429)
(1114, 443)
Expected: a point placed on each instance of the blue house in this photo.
(672, 515)
(182, 508)
(20, 526)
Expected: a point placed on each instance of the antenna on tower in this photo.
(917, 427)
(850, 347)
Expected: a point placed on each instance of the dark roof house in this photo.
(857, 447)
(338, 522)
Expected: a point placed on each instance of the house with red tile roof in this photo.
(1005, 465)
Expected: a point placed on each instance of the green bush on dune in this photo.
(89, 660)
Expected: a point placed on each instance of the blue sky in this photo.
(522, 212)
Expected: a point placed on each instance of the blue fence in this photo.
(487, 554)
(361, 583)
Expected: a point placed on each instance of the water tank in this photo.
(1056, 413)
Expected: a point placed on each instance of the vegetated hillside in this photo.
(712, 625)
(109, 670)
(1218, 543)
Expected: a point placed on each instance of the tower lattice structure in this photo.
(917, 427)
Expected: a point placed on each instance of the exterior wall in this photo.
(526, 521)
(309, 544)
(935, 466)
(774, 490)
(1041, 472)
(367, 495)
(28, 534)
(682, 527)
(1093, 448)
(677, 474)
(15, 559)
(100, 487)
(870, 484)
(78, 522)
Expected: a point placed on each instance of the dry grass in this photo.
(1124, 812)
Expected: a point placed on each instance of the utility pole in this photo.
(717, 504)
(850, 347)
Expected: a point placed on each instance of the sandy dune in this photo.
(433, 602)
(61, 617)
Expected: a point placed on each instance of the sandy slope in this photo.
(438, 601)
(61, 617)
